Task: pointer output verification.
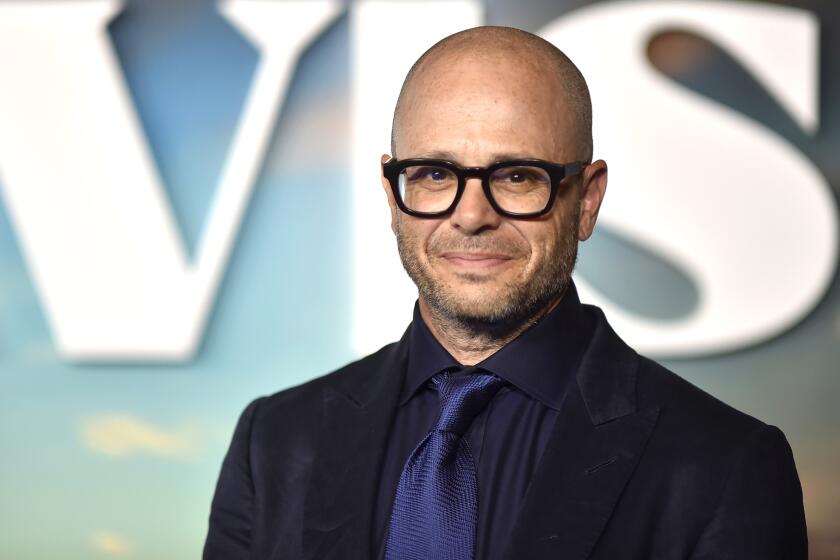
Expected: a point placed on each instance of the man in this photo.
(560, 441)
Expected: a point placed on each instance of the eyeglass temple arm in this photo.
(574, 168)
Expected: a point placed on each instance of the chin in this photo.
(474, 305)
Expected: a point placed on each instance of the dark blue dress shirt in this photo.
(508, 437)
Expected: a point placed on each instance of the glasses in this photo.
(523, 188)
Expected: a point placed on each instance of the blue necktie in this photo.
(436, 504)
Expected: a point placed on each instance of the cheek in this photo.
(416, 234)
(540, 238)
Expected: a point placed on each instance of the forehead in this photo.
(481, 104)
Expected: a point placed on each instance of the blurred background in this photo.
(110, 448)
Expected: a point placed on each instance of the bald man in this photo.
(510, 421)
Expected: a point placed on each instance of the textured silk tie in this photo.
(436, 504)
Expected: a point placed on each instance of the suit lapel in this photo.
(342, 490)
(594, 447)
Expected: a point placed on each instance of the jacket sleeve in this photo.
(760, 515)
(231, 514)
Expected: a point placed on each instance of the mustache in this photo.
(475, 243)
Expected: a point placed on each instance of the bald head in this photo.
(545, 74)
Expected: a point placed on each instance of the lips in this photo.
(475, 259)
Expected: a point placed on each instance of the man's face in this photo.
(474, 266)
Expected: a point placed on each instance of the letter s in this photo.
(725, 199)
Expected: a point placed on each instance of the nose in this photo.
(474, 212)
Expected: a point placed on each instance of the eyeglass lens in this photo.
(517, 189)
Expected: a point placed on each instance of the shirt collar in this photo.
(540, 361)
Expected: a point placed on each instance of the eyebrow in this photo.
(450, 156)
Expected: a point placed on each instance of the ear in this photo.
(591, 195)
(388, 192)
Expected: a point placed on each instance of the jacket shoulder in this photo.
(720, 462)
(697, 432)
(688, 405)
(302, 401)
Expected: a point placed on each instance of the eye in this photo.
(521, 175)
(436, 174)
(427, 173)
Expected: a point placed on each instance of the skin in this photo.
(483, 278)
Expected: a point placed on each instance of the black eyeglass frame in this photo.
(556, 172)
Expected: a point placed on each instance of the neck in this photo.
(470, 344)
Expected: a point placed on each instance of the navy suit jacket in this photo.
(640, 465)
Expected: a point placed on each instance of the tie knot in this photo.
(463, 394)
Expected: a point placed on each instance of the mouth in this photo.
(475, 260)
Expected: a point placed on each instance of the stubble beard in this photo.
(496, 315)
